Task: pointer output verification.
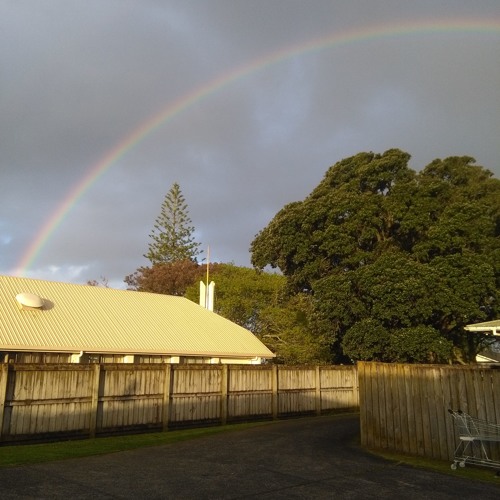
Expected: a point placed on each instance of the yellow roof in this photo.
(77, 318)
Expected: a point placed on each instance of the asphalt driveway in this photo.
(309, 458)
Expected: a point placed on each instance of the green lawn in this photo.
(36, 453)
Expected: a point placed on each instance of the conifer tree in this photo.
(172, 235)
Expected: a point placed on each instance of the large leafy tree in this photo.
(241, 293)
(259, 302)
(173, 235)
(389, 255)
(288, 329)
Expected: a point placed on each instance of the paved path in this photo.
(309, 458)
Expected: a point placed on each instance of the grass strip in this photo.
(476, 473)
(25, 454)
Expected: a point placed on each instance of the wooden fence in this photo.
(404, 408)
(47, 401)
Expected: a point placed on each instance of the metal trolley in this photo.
(473, 433)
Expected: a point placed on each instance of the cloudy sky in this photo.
(104, 104)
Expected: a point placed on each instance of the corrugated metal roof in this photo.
(94, 319)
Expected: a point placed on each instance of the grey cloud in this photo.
(79, 77)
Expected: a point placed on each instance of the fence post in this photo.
(167, 389)
(365, 403)
(96, 369)
(4, 374)
(318, 391)
(223, 394)
(274, 385)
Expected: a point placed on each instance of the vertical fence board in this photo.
(375, 389)
(401, 410)
(224, 397)
(4, 374)
(167, 390)
(495, 391)
(365, 402)
(427, 405)
(388, 437)
(439, 416)
(416, 399)
(451, 403)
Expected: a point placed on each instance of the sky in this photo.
(104, 104)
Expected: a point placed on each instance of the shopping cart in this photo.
(473, 433)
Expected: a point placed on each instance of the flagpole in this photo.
(208, 264)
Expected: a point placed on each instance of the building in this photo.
(489, 327)
(51, 322)
(491, 355)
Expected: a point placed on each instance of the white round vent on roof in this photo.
(29, 300)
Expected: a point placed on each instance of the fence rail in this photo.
(404, 408)
(44, 401)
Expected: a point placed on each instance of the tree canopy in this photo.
(241, 293)
(259, 302)
(172, 235)
(169, 278)
(396, 262)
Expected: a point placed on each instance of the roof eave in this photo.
(93, 350)
(494, 330)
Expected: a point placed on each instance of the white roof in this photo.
(486, 327)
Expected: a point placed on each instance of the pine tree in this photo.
(172, 235)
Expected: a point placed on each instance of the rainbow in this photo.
(183, 103)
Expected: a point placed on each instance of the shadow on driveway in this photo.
(309, 458)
